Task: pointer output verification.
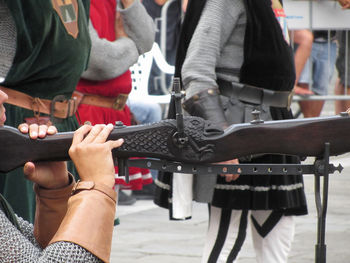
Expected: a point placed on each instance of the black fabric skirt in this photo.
(261, 192)
(283, 193)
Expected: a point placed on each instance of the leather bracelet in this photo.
(90, 185)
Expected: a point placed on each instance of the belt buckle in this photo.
(36, 107)
(119, 102)
(58, 98)
(37, 119)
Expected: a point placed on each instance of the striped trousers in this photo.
(272, 235)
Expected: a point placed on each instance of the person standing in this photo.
(64, 225)
(302, 40)
(224, 45)
(342, 86)
(319, 68)
(173, 18)
(120, 33)
(45, 47)
(342, 64)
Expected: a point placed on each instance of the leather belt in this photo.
(117, 103)
(255, 95)
(59, 106)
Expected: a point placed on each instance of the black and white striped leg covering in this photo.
(272, 235)
(226, 234)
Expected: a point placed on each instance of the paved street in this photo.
(146, 235)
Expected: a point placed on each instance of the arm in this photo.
(53, 186)
(24, 243)
(135, 36)
(7, 40)
(344, 3)
(16, 246)
(109, 59)
(217, 22)
(64, 209)
(89, 220)
(139, 26)
(214, 29)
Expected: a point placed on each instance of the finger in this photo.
(29, 170)
(115, 144)
(23, 128)
(80, 133)
(230, 177)
(33, 131)
(51, 130)
(234, 177)
(103, 135)
(95, 131)
(42, 131)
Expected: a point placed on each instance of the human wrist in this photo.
(98, 178)
(64, 183)
(97, 186)
(66, 180)
(56, 193)
(90, 213)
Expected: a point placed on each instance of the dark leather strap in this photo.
(255, 95)
(117, 103)
(59, 107)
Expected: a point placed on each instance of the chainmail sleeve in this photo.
(16, 246)
(7, 40)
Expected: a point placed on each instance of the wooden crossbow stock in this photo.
(199, 143)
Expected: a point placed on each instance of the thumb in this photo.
(29, 170)
(115, 144)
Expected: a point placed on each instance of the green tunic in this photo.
(52, 51)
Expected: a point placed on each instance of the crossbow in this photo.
(193, 145)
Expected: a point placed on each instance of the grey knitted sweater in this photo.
(216, 48)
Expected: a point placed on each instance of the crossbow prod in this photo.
(193, 145)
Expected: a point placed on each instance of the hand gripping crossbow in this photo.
(193, 145)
